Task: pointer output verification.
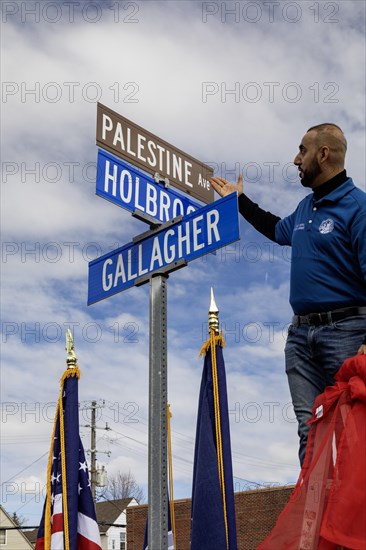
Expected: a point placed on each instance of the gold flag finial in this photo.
(71, 359)
(213, 314)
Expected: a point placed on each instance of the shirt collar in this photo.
(330, 185)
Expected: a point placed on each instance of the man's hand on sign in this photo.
(224, 187)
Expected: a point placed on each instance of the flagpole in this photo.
(71, 359)
(213, 325)
(213, 314)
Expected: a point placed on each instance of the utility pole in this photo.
(93, 450)
(93, 460)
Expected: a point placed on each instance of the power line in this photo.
(26, 468)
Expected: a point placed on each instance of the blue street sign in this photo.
(209, 228)
(124, 185)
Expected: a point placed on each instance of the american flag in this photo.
(68, 520)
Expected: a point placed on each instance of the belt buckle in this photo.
(315, 319)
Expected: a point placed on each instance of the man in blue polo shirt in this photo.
(327, 232)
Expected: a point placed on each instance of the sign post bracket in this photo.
(158, 227)
(174, 266)
(139, 215)
(160, 179)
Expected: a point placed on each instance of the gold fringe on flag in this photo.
(219, 341)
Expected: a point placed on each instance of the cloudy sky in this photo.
(234, 84)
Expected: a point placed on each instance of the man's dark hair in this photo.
(325, 125)
(332, 134)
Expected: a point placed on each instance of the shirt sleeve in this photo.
(262, 221)
(358, 243)
(284, 230)
(358, 239)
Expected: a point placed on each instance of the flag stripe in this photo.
(86, 544)
(88, 528)
(57, 541)
(57, 523)
(57, 504)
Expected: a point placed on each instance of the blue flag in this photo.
(213, 511)
(68, 521)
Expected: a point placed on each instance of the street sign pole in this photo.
(158, 395)
(180, 231)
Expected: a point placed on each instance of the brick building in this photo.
(256, 514)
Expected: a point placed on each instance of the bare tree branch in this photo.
(123, 485)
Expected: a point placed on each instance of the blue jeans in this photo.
(313, 355)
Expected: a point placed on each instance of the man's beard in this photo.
(310, 174)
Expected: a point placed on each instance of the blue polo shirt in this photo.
(328, 240)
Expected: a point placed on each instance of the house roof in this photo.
(31, 535)
(13, 524)
(108, 511)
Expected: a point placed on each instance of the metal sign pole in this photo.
(168, 246)
(158, 394)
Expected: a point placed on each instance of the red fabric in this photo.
(86, 544)
(327, 509)
(57, 523)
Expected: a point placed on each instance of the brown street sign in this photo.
(143, 149)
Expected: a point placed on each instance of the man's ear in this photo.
(323, 153)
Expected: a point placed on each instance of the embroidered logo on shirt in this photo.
(299, 226)
(326, 226)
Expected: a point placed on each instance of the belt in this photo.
(327, 316)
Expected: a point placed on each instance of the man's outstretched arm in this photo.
(262, 221)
